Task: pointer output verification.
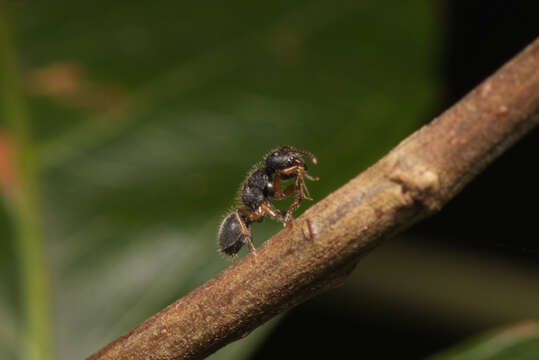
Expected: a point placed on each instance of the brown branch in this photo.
(414, 180)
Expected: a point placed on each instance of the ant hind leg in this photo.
(245, 232)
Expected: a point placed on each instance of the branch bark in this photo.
(322, 247)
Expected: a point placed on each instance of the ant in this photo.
(262, 183)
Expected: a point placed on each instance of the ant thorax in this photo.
(257, 187)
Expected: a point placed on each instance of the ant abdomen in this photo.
(231, 235)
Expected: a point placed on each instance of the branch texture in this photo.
(414, 180)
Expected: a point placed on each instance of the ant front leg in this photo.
(278, 194)
(297, 199)
(299, 185)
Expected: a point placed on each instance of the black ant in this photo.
(262, 183)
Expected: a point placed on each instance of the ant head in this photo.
(286, 156)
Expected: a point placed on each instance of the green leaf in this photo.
(519, 342)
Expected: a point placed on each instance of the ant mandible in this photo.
(261, 184)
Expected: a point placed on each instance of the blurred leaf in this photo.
(19, 187)
(146, 119)
(520, 342)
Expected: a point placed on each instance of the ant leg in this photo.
(294, 169)
(301, 174)
(254, 216)
(302, 192)
(265, 208)
(297, 200)
(309, 177)
(303, 186)
(288, 190)
(268, 208)
(278, 194)
(245, 232)
(251, 246)
(299, 171)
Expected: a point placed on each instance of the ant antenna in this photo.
(303, 152)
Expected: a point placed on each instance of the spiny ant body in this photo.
(262, 184)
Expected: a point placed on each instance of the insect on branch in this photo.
(261, 185)
(414, 180)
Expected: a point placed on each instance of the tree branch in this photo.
(414, 180)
